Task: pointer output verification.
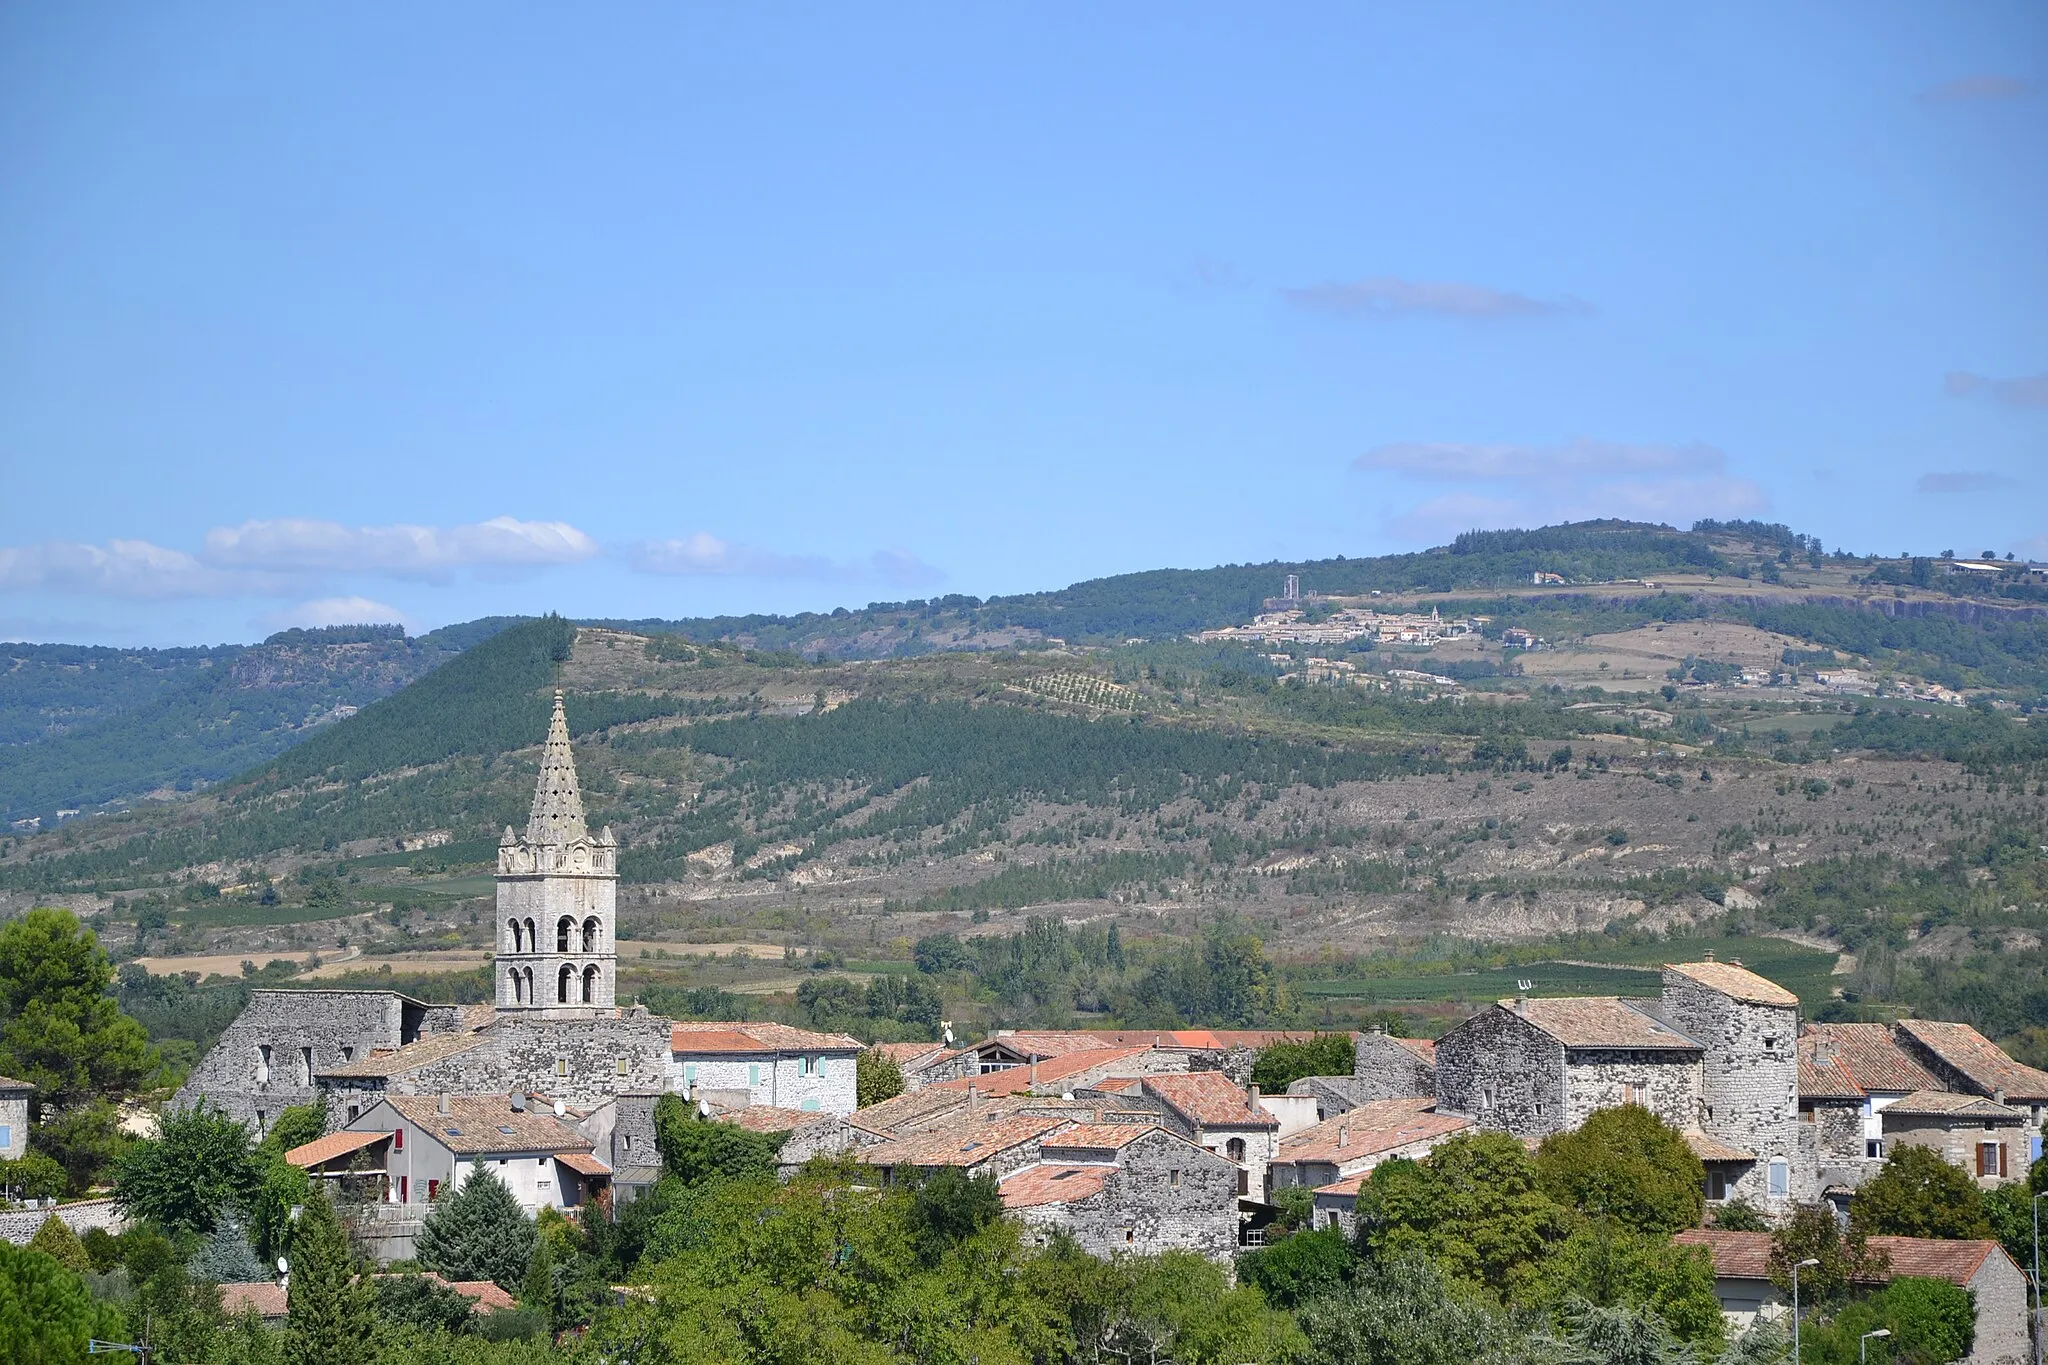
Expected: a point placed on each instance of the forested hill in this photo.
(82, 728)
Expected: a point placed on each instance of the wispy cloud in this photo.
(2028, 392)
(337, 611)
(1390, 296)
(304, 544)
(1964, 481)
(1984, 86)
(1528, 485)
(704, 555)
(119, 568)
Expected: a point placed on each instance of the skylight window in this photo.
(503, 1129)
(452, 1131)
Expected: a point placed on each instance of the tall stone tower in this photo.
(558, 889)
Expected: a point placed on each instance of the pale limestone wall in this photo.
(2001, 1290)
(1665, 1083)
(332, 1027)
(14, 1125)
(821, 1081)
(1750, 1086)
(1957, 1140)
(1161, 1196)
(538, 905)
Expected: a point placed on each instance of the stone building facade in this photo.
(16, 1098)
(1385, 1068)
(1749, 1089)
(1129, 1189)
(1990, 1141)
(764, 1064)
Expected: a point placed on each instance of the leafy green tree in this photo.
(2009, 1210)
(198, 1167)
(1403, 1311)
(86, 1140)
(298, 1125)
(33, 1175)
(1739, 1215)
(477, 1233)
(59, 1028)
(1811, 1232)
(56, 1240)
(1607, 1265)
(1621, 1335)
(1931, 1322)
(1296, 1269)
(876, 1077)
(1281, 1064)
(1918, 1193)
(46, 1313)
(1473, 1206)
(1626, 1164)
(949, 1207)
(225, 1257)
(694, 1148)
(284, 1187)
(330, 1307)
(420, 1301)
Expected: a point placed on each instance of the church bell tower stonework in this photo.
(558, 889)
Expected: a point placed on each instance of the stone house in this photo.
(434, 1143)
(1749, 1078)
(1353, 1143)
(1533, 1067)
(1131, 1189)
(1386, 1068)
(1742, 1282)
(767, 1064)
(1335, 1094)
(1070, 1071)
(1967, 1062)
(1209, 1109)
(995, 1146)
(920, 1062)
(16, 1099)
(1985, 1138)
(1849, 1075)
(807, 1132)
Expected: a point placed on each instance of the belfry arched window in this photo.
(518, 936)
(590, 935)
(518, 988)
(589, 985)
(532, 938)
(563, 929)
(564, 984)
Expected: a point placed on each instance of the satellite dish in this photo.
(560, 1109)
(283, 1266)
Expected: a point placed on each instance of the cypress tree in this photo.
(56, 1240)
(330, 1309)
(478, 1233)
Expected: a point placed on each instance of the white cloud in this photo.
(120, 568)
(305, 544)
(1519, 485)
(338, 611)
(2029, 391)
(705, 555)
(1389, 296)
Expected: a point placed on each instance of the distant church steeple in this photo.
(557, 897)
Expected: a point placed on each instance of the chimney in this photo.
(441, 1104)
(519, 1101)
(1522, 1004)
(1707, 956)
(1998, 1095)
(1343, 1135)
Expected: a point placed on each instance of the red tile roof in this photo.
(482, 1293)
(1978, 1058)
(324, 1149)
(1057, 1042)
(963, 1146)
(265, 1296)
(1035, 1186)
(1599, 1021)
(769, 1118)
(702, 1038)
(1868, 1056)
(1038, 1074)
(1822, 1073)
(1425, 1048)
(487, 1123)
(1350, 1185)
(1947, 1104)
(1735, 981)
(1102, 1137)
(583, 1163)
(1747, 1255)
(1210, 1099)
(1713, 1149)
(1350, 1137)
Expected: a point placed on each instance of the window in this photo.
(1717, 1185)
(805, 1066)
(1130, 1236)
(348, 1053)
(1990, 1158)
(1234, 1149)
(263, 1064)
(809, 1106)
(1173, 1180)
(1632, 1092)
(754, 1073)
(353, 1110)
(262, 1122)
(1873, 1148)
(629, 1140)
(6, 1136)
(622, 1066)
(433, 1190)
(1331, 1219)
(1780, 1178)
(398, 1140)
(561, 1066)
(690, 1075)
(562, 930)
(1244, 1181)
(305, 1066)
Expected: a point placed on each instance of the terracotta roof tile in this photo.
(487, 1123)
(1978, 1058)
(1822, 1073)
(1747, 1255)
(1737, 1255)
(769, 1118)
(1425, 1048)
(1102, 1137)
(1713, 1149)
(322, 1150)
(1035, 1186)
(1210, 1099)
(1869, 1056)
(265, 1296)
(10, 1084)
(583, 1163)
(710, 1038)
(1350, 1185)
(1350, 1137)
(397, 1061)
(1057, 1042)
(968, 1145)
(1736, 981)
(1948, 1104)
(1041, 1073)
(1599, 1021)
(482, 1293)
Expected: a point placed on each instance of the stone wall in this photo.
(14, 1124)
(2001, 1291)
(1504, 1072)
(823, 1081)
(1385, 1070)
(331, 1027)
(1665, 1083)
(1957, 1140)
(19, 1226)
(1749, 1084)
(1838, 1131)
(581, 1061)
(1162, 1195)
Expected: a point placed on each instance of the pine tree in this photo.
(56, 1240)
(225, 1257)
(478, 1233)
(330, 1309)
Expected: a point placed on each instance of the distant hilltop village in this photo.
(1133, 1140)
(1286, 620)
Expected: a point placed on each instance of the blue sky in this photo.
(310, 315)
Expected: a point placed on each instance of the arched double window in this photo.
(563, 928)
(518, 935)
(565, 984)
(590, 985)
(532, 938)
(518, 987)
(590, 931)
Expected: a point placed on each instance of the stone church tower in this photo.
(558, 892)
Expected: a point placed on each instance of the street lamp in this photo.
(1796, 1267)
(2035, 1203)
(1863, 1345)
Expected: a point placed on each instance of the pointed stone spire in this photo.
(557, 805)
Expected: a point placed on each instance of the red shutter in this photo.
(404, 1189)
(398, 1140)
(433, 1190)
